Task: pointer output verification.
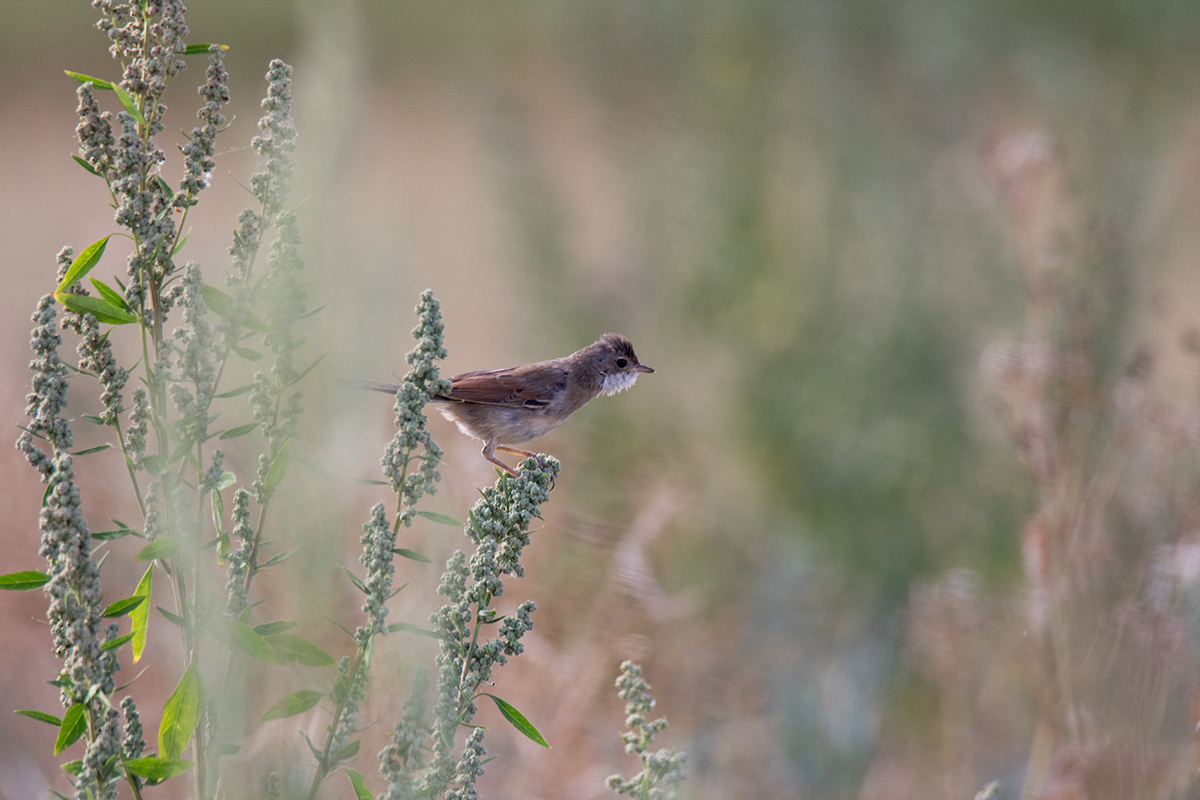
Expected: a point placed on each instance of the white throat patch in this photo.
(618, 383)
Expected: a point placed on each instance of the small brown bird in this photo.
(503, 407)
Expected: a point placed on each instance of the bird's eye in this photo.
(622, 363)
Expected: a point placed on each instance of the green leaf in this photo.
(278, 467)
(295, 649)
(41, 716)
(220, 303)
(162, 547)
(71, 768)
(181, 715)
(115, 643)
(361, 792)
(226, 480)
(272, 628)
(164, 187)
(372, 482)
(96, 82)
(354, 579)
(73, 726)
(24, 581)
(130, 104)
(413, 554)
(411, 628)
(155, 464)
(122, 607)
(174, 619)
(104, 311)
(119, 533)
(254, 645)
(517, 720)
(85, 165)
(349, 751)
(293, 704)
(440, 519)
(157, 769)
(198, 49)
(91, 450)
(139, 617)
(248, 354)
(83, 263)
(279, 559)
(94, 419)
(311, 367)
(110, 294)
(240, 430)
(235, 392)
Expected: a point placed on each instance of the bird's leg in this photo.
(517, 452)
(489, 452)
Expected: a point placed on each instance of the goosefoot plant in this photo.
(172, 453)
(662, 771)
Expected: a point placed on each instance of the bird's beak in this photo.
(643, 368)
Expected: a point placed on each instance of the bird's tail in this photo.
(388, 388)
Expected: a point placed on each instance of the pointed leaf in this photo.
(92, 418)
(413, 554)
(293, 704)
(83, 263)
(139, 617)
(104, 312)
(174, 619)
(181, 715)
(298, 650)
(411, 628)
(96, 82)
(197, 49)
(310, 368)
(279, 559)
(122, 607)
(278, 467)
(349, 751)
(440, 519)
(130, 103)
(41, 716)
(518, 721)
(240, 430)
(110, 294)
(254, 645)
(115, 643)
(361, 792)
(157, 769)
(235, 392)
(162, 547)
(85, 165)
(91, 450)
(73, 726)
(24, 581)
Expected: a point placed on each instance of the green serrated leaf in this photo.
(41, 716)
(413, 554)
(122, 607)
(110, 294)
(82, 264)
(297, 650)
(240, 430)
(24, 581)
(157, 769)
(162, 547)
(74, 724)
(440, 519)
(139, 617)
(115, 643)
(181, 715)
(278, 467)
(293, 704)
(361, 792)
(517, 720)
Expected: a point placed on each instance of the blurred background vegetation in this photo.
(812, 218)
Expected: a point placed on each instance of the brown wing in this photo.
(530, 386)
